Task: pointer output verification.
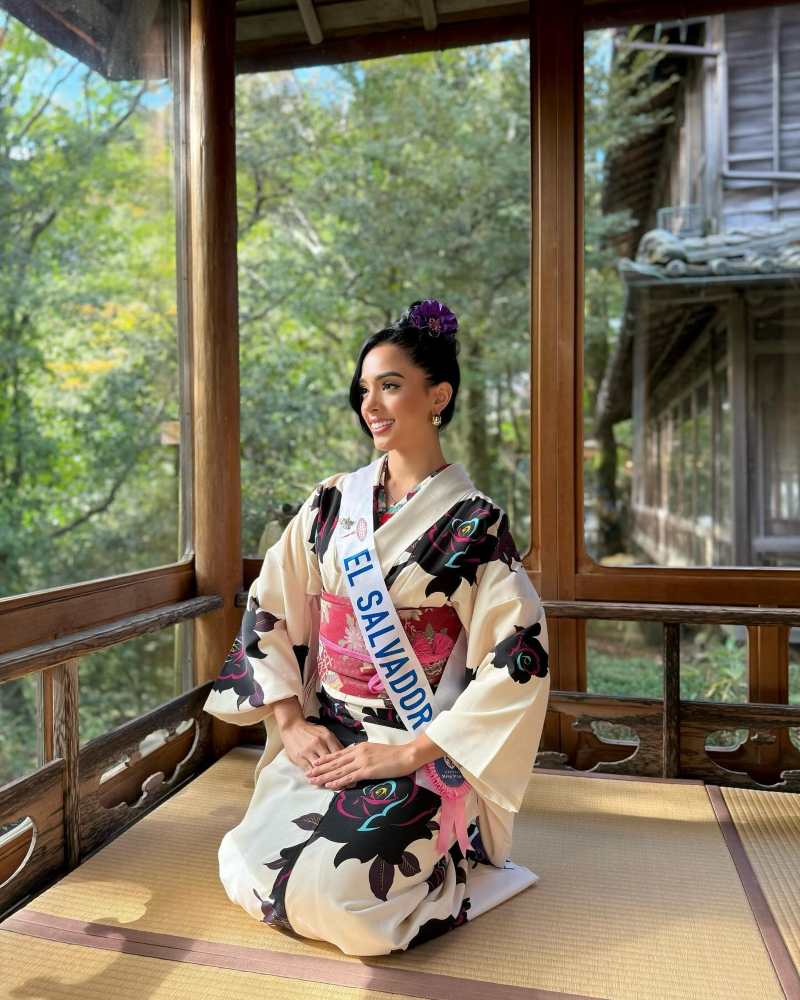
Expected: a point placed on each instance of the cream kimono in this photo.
(359, 867)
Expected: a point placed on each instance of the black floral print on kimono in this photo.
(237, 671)
(325, 505)
(436, 925)
(274, 909)
(376, 821)
(522, 654)
(458, 544)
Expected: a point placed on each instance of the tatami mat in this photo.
(46, 970)
(638, 896)
(768, 825)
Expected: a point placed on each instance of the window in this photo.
(90, 411)
(762, 62)
(691, 326)
(363, 187)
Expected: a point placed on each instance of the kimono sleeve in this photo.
(263, 665)
(493, 729)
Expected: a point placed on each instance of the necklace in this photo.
(390, 502)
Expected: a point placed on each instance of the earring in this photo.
(437, 419)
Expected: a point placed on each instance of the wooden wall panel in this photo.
(139, 780)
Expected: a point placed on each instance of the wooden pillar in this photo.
(671, 729)
(556, 274)
(214, 339)
(768, 684)
(65, 743)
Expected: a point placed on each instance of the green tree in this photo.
(88, 355)
(377, 184)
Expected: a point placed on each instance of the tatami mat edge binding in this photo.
(774, 942)
(170, 947)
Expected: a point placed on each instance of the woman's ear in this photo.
(443, 394)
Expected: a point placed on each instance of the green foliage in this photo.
(19, 753)
(710, 671)
(398, 179)
(88, 357)
(622, 660)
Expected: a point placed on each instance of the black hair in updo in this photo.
(434, 353)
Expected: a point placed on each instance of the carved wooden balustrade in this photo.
(84, 796)
(672, 736)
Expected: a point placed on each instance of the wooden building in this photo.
(709, 325)
(670, 869)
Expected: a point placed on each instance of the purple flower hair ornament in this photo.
(434, 317)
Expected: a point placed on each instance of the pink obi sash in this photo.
(344, 664)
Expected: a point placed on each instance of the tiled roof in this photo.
(772, 249)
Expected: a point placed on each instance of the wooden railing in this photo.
(82, 797)
(681, 727)
(671, 733)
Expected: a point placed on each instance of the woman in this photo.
(384, 800)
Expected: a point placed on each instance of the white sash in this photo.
(384, 636)
(388, 645)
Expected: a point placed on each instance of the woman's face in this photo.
(396, 401)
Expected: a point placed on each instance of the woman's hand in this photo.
(306, 743)
(343, 768)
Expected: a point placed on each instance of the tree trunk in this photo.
(608, 512)
(479, 464)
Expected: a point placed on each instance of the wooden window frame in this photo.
(42, 616)
(564, 570)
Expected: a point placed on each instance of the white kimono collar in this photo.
(437, 496)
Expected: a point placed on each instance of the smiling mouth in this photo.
(380, 428)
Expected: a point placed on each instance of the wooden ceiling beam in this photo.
(310, 21)
(365, 17)
(430, 18)
(257, 56)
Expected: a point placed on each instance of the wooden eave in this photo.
(658, 306)
(280, 34)
(120, 39)
(633, 170)
(283, 34)
(276, 34)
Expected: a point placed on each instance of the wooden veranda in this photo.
(57, 869)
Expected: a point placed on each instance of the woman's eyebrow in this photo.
(384, 374)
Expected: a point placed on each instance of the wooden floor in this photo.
(648, 889)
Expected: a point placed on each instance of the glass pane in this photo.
(89, 394)
(794, 666)
(20, 726)
(626, 658)
(692, 326)
(362, 188)
(125, 681)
